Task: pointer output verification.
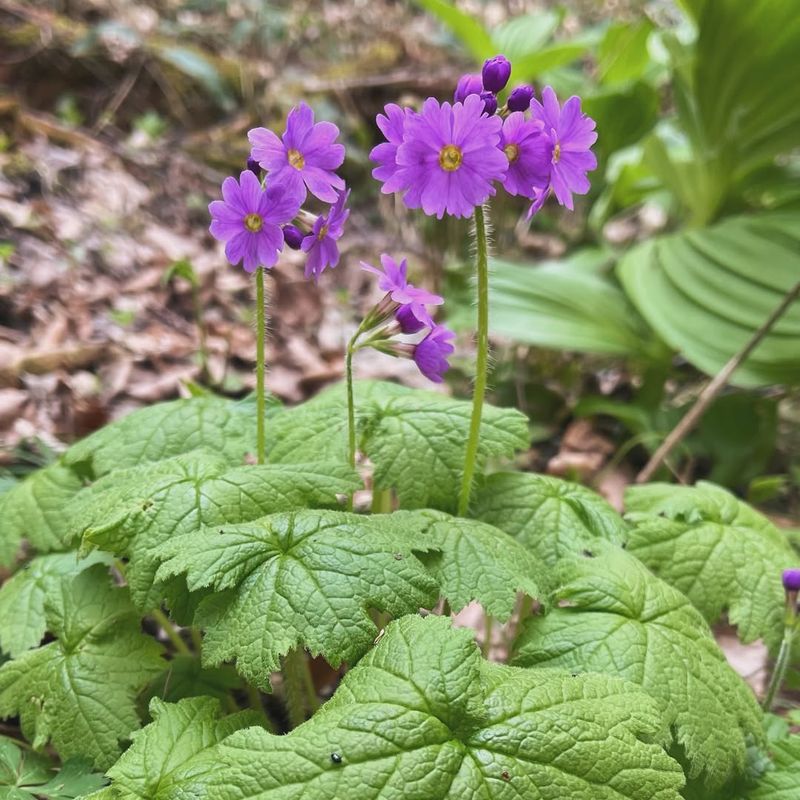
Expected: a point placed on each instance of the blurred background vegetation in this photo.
(607, 322)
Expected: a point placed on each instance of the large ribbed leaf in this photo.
(565, 305)
(705, 292)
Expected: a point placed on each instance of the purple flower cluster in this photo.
(408, 304)
(447, 158)
(255, 220)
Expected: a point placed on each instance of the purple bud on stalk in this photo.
(293, 236)
(496, 72)
(254, 167)
(520, 98)
(791, 580)
(489, 103)
(467, 85)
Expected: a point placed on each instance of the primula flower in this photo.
(249, 220)
(467, 85)
(430, 355)
(495, 74)
(391, 124)
(305, 156)
(528, 151)
(413, 317)
(392, 280)
(449, 157)
(320, 245)
(572, 134)
(293, 236)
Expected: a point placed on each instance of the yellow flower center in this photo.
(512, 152)
(323, 232)
(253, 222)
(295, 158)
(450, 158)
(556, 153)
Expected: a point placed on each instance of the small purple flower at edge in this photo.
(392, 280)
(528, 151)
(572, 135)
(305, 157)
(467, 85)
(430, 355)
(249, 220)
(495, 74)
(449, 158)
(320, 245)
(791, 580)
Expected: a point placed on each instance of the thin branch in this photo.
(714, 387)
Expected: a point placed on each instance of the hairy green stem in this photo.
(785, 652)
(261, 333)
(197, 640)
(205, 375)
(482, 361)
(257, 705)
(296, 682)
(381, 501)
(351, 413)
(172, 634)
(487, 634)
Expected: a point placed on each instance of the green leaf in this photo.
(612, 615)
(722, 554)
(475, 561)
(465, 27)
(622, 55)
(25, 774)
(184, 676)
(551, 517)
(525, 35)
(161, 750)
(415, 439)
(422, 717)
(131, 513)
(79, 690)
(34, 510)
(300, 578)
(22, 597)
(193, 63)
(559, 306)
(169, 429)
(705, 292)
(782, 780)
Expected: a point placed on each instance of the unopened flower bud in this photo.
(293, 236)
(791, 580)
(254, 167)
(467, 85)
(495, 74)
(489, 103)
(520, 98)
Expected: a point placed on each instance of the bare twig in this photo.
(708, 394)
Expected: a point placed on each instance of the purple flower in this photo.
(539, 196)
(413, 317)
(386, 153)
(249, 220)
(293, 236)
(307, 154)
(449, 157)
(430, 355)
(489, 102)
(495, 74)
(520, 98)
(320, 244)
(467, 85)
(572, 134)
(791, 580)
(254, 166)
(528, 151)
(394, 282)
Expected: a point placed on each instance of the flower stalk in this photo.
(791, 584)
(261, 333)
(482, 360)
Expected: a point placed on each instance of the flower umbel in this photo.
(320, 245)
(572, 135)
(249, 220)
(305, 157)
(449, 158)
